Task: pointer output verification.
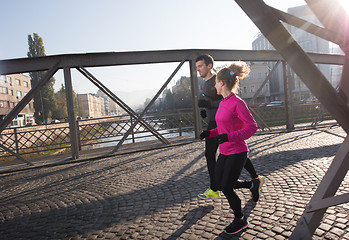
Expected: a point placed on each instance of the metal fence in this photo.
(76, 136)
(49, 139)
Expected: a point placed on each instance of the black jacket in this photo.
(209, 94)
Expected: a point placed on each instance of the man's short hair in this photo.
(207, 59)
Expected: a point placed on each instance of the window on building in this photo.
(25, 83)
(245, 89)
(3, 78)
(12, 104)
(18, 82)
(9, 79)
(10, 92)
(19, 94)
(252, 89)
(4, 90)
(4, 104)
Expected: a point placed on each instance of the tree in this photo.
(179, 97)
(182, 95)
(44, 102)
(61, 111)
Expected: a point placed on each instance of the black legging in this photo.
(250, 168)
(211, 147)
(227, 173)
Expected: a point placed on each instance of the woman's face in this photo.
(219, 86)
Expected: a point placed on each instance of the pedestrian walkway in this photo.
(153, 194)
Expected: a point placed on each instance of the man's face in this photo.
(202, 68)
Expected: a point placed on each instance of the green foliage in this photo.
(61, 111)
(179, 97)
(44, 101)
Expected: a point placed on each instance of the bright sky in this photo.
(82, 26)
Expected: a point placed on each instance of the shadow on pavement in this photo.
(55, 221)
(190, 219)
(80, 218)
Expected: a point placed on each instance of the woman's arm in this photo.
(250, 127)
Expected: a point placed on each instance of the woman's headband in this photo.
(232, 74)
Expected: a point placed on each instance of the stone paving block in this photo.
(279, 237)
(153, 194)
(346, 236)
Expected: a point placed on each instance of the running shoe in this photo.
(256, 188)
(210, 194)
(236, 226)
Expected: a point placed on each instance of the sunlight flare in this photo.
(345, 4)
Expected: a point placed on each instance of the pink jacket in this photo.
(235, 119)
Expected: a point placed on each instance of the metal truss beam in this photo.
(264, 82)
(147, 108)
(23, 65)
(269, 24)
(337, 20)
(327, 34)
(25, 100)
(288, 97)
(122, 104)
(195, 93)
(297, 59)
(323, 196)
(16, 155)
(74, 140)
(257, 93)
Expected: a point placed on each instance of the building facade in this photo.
(309, 43)
(12, 89)
(91, 105)
(110, 107)
(250, 85)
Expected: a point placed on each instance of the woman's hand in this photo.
(222, 138)
(204, 134)
(203, 113)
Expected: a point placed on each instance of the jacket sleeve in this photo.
(250, 125)
(213, 132)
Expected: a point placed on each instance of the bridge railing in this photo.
(50, 139)
(74, 136)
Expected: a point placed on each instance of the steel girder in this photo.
(339, 24)
(268, 21)
(124, 106)
(23, 65)
(25, 100)
(74, 140)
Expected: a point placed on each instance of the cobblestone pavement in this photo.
(153, 194)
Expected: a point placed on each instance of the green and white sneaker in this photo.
(210, 194)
